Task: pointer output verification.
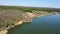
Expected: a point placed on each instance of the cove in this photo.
(41, 25)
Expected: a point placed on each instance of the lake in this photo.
(41, 25)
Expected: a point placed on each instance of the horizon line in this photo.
(29, 6)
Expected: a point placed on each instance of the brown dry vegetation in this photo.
(9, 17)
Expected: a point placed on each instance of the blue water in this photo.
(40, 25)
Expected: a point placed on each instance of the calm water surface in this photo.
(40, 25)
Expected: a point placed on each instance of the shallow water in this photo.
(40, 25)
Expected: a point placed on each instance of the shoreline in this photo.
(6, 30)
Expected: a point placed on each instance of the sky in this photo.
(32, 3)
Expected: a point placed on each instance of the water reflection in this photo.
(40, 25)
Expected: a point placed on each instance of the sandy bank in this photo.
(5, 31)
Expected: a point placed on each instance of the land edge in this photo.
(5, 31)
